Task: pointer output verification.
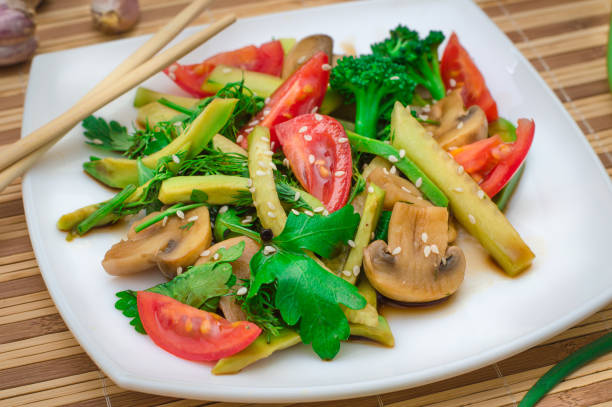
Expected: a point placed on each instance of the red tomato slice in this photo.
(268, 59)
(477, 157)
(506, 168)
(301, 93)
(320, 157)
(190, 333)
(458, 67)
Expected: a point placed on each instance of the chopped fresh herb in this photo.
(168, 212)
(199, 196)
(200, 286)
(108, 136)
(187, 225)
(357, 188)
(229, 222)
(212, 162)
(307, 295)
(144, 173)
(104, 210)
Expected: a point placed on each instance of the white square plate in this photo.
(562, 209)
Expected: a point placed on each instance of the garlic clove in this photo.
(115, 16)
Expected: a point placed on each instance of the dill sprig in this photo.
(261, 310)
(212, 162)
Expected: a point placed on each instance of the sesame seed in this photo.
(261, 164)
(429, 133)
(311, 159)
(216, 256)
(418, 182)
(351, 243)
(249, 182)
(424, 237)
(480, 194)
(314, 109)
(260, 173)
(396, 251)
(180, 214)
(205, 253)
(269, 250)
(346, 273)
(309, 213)
(272, 145)
(426, 108)
(326, 67)
(307, 137)
(192, 219)
(448, 91)
(246, 220)
(269, 153)
(371, 189)
(286, 162)
(273, 166)
(297, 195)
(386, 171)
(227, 70)
(451, 148)
(172, 68)
(343, 140)
(393, 170)
(252, 190)
(172, 75)
(271, 205)
(460, 125)
(301, 59)
(450, 155)
(394, 78)
(460, 170)
(434, 249)
(356, 270)
(339, 173)
(175, 158)
(223, 209)
(472, 219)
(402, 153)
(97, 141)
(318, 117)
(271, 214)
(239, 139)
(427, 251)
(253, 122)
(325, 212)
(406, 189)
(392, 158)
(423, 117)
(303, 129)
(458, 189)
(295, 212)
(249, 129)
(318, 209)
(164, 221)
(264, 139)
(179, 270)
(266, 111)
(452, 82)
(241, 291)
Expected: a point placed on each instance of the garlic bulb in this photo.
(115, 16)
(17, 41)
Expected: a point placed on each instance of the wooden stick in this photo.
(60, 125)
(161, 38)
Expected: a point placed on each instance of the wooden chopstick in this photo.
(60, 125)
(161, 38)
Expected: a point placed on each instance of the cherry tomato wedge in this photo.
(190, 333)
(301, 93)
(459, 70)
(267, 58)
(506, 168)
(491, 162)
(320, 157)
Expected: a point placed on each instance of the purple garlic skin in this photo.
(17, 41)
(115, 16)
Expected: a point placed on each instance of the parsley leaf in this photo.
(200, 286)
(308, 295)
(109, 136)
(320, 234)
(228, 224)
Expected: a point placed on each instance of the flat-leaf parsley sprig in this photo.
(308, 296)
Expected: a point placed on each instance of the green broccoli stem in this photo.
(367, 111)
(105, 209)
(428, 64)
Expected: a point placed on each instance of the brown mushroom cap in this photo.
(422, 269)
(304, 50)
(164, 247)
(231, 310)
(397, 189)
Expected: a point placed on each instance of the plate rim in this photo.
(221, 392)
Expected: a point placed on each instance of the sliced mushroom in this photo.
(304, 50)
(397, 189)
(457, 126)
(166, 246)
(416, 265)
(231, 310)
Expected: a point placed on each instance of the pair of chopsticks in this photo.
(17, 158)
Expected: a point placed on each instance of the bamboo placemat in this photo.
(41, 364)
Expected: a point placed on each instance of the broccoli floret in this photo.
(374, 82)
(418, 56)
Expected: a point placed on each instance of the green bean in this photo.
(503, 197)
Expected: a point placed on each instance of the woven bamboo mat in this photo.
(41, 364)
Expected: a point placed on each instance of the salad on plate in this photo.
(294, 190)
